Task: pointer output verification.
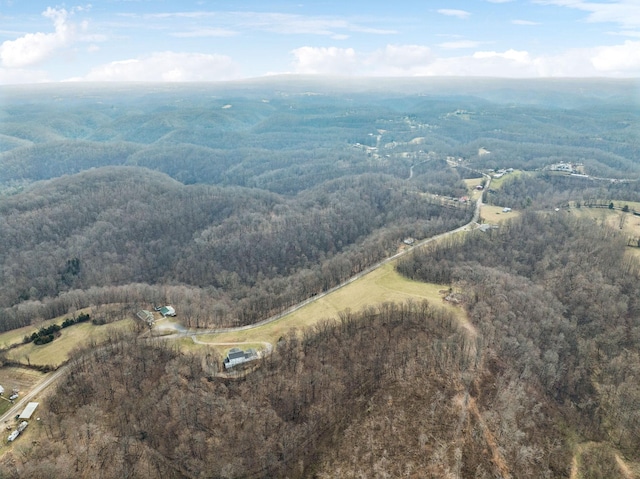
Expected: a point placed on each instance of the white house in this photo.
(237, 356)
(565, 167)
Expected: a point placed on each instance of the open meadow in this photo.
(494, 214)
(58, 351)
(382, 285)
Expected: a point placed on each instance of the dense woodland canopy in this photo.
(223, 255)
(235, 201)
(547, 365)
(559, 300)
(276, 190)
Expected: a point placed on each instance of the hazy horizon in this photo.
(202, 40)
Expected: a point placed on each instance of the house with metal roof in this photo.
(29, 410)
(237, 356)
(167, 311)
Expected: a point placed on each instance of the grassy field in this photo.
(628, 223)
(496, 183)
(494, 214)
(21, 379)
(382, 285)
(15, 336)
(58, 351)
(471, 183)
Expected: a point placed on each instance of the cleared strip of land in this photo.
(59, 350)
(382, 285)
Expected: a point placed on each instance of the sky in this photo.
(218, 40)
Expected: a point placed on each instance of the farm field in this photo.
(15, 336)
(380, 286)
(58, 351)
(628, 223)
(494, 214)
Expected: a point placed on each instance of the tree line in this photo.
(223, 255)
(560, 299)
(318, 406)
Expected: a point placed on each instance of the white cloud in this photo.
(622, 12)
(167, 66)
(327, 61)
(524, 22)
(454, 13)
(618, 58)
(519, 56)
(281, 23)
(16, 76)
(415, 60)
(205, 32)
(33, 48)
(626, 33)
(398, 60)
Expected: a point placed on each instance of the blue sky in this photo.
(211, 40)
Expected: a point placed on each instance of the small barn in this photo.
(29, 410)
(146, 316)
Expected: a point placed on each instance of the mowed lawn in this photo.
(382, 285)
(627, 223)
(59, 350)
(15, 336)
(496, 183)
(494, 214)
(15, 378)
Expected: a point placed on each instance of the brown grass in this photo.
(613, 218)
(494, 215)
(22, 379)
(15, 336)
(384, 284)
(59, 350)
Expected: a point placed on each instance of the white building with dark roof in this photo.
(237, 356)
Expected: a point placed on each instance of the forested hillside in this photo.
(540, 381)
(380, 393)
(558, 300)
(286, 136)
(233, 202)
(237, 200)
(223, 255)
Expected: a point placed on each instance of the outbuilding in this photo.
(167, 311)
(29, 410)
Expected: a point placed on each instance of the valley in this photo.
(425, 295)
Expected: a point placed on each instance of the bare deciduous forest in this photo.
(141, 197)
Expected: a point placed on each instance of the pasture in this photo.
(382, 285)
(58, 351)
